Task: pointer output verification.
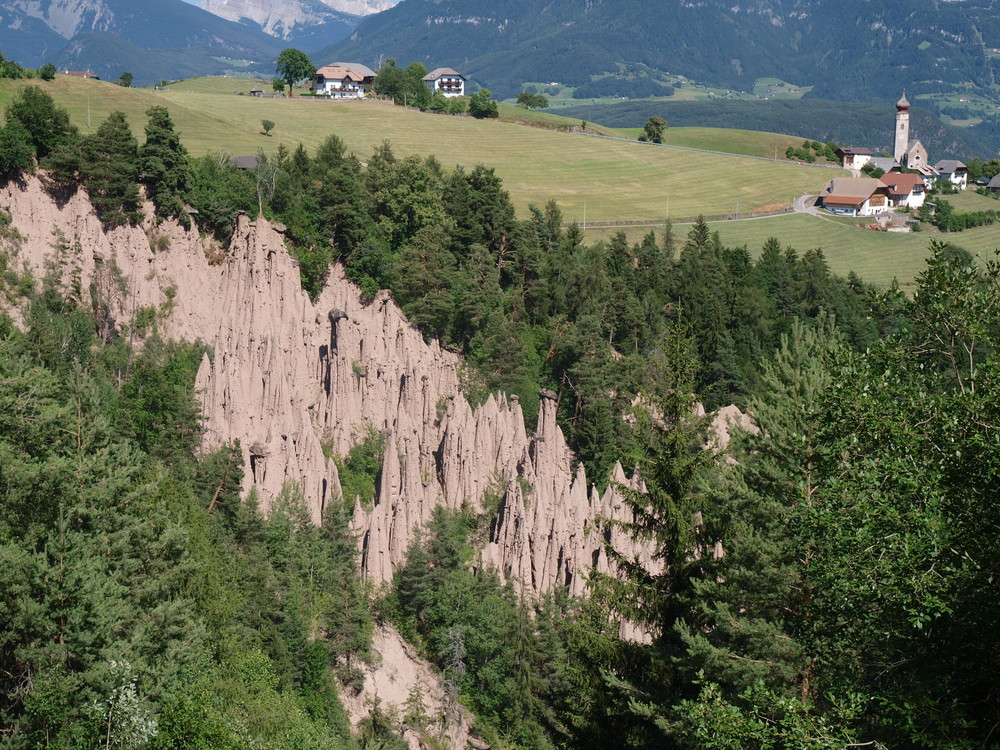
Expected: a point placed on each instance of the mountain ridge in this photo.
(168, 39)
(848, 50)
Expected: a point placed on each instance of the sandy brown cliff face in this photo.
(295, 381)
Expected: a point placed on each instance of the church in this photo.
(908, 153)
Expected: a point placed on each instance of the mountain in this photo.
(164, 39)
(847, 49)
(306, 23)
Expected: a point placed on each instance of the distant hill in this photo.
(166, 39)
(853, 50)
(847, 124)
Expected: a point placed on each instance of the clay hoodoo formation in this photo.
(296, 381)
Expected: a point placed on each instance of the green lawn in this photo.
(970, 200)
(878, 257)
(589, 177)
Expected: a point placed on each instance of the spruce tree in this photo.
(165, 163)
(110, 167)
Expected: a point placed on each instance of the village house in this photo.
(855, 196)
(854, 158)
(954, 172)
(449, 82)
(342, 80)
(905, 190)
(885, 163)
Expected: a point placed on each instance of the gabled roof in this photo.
(949, 166)
(885, 163)
(853, 186)
(364, 70)
(901, 185)
(440, 72)
(245, 162)
(851, 191)
(339, 73)
(994, 184)
(913, 143)
(855, 151)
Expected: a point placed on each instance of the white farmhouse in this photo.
(342, 80)
(449, 82)
(855, 196)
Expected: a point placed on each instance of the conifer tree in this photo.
(110, 167)
(165, 163)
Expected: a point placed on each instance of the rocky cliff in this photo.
(296, 381)
(288, 18)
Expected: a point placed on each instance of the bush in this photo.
(481, 105)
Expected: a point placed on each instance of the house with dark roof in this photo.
(905, 190)
(954, 172)
(994, 184)
(245, 162)
(449, 82)
(854, 158)
(342, 80)
(855, 196)
(885, 163)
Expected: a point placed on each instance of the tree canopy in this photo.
(293, 66)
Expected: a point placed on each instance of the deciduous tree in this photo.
(294, 65)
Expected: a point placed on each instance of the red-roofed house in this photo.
(342, 80)
(855, 196)
(906, 190)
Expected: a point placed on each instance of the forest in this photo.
(827, 581)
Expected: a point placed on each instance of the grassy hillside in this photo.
(845, 123)
(878, 257)
(597, 178)
(591, 178)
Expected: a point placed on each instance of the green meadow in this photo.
(589, 177)
(877, 257)
(540, 157)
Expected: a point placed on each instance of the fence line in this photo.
(680, 219)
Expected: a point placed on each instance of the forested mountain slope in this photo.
(164, 39)
(854, 50)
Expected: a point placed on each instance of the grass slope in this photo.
(878, 257)
(591, 178)
(538, 160)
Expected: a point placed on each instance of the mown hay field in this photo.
(593, 178)
(877, 257)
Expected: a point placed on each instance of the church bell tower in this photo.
(902, 129)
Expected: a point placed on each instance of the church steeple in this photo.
(902, 139)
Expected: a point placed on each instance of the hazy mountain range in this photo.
(169, 39)
(847, 49)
